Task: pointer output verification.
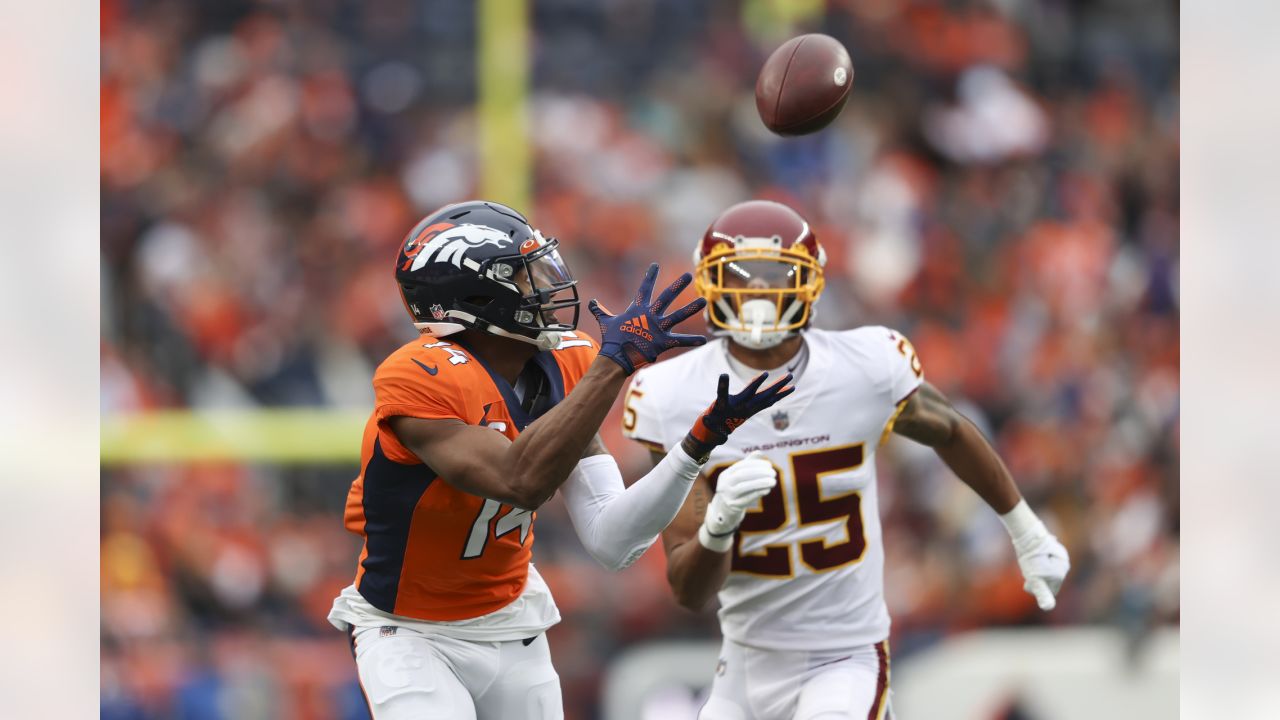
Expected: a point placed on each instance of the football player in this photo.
(798, 564)
(476, 423)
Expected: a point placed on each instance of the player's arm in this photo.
(929, 418)
(694, 572)
(698, 541)
(616, 523)
(526, 472)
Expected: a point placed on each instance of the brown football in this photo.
(804, 84)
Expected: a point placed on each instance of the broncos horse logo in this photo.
(446, 242)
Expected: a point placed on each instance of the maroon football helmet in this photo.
(759, 266)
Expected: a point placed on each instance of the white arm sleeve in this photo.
(615, 523)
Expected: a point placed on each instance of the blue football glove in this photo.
(638, 335)
(729, 411)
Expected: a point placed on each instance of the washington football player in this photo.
(798, 564)
(476, 423)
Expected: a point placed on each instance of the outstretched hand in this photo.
(638, 335)
(730, 411)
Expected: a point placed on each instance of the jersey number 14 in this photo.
(480, 532)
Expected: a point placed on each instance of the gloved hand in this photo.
(638, 335)
(1043, 560)
(729, 411)
(739, 487)
(1044, 565)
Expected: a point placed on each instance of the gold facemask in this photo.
(736, 275)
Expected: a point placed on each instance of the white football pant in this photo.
(408, 675)
(755, 684)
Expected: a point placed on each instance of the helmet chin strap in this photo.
(760, 323)
(546, 340)
(439, 329)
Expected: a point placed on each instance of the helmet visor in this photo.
(548, 269)
(762, 275)
(550, 294)
(791, 281)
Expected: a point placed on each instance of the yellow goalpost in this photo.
(328, 435)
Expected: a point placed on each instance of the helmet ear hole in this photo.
(478, 300)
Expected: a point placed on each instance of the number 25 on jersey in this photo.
(807, 471)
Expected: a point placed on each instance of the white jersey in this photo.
(808, 563)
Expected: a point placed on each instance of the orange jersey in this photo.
(432, 551)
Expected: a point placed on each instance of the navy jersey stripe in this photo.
(555, 374)
(391, 492)
(545, 362)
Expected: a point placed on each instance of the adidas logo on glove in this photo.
(638, 326)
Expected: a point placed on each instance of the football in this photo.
(804, 84)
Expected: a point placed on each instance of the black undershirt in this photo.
(533, 388)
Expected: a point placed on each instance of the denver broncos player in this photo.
(477, 422)
(798, 564)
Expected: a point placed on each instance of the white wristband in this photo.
(711, 542)
(1025, 529)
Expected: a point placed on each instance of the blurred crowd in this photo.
(1002, 188)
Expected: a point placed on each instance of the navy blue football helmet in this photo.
(481, 265)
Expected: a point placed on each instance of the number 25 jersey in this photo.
(807, 568)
